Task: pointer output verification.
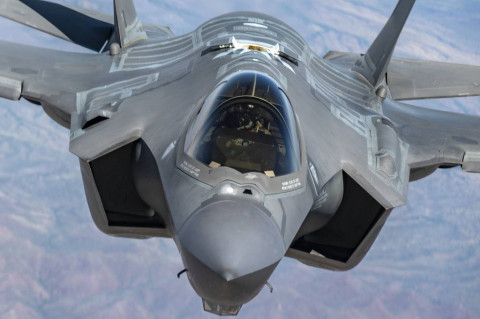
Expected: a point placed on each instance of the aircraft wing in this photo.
(49, 78)
(436, 138)
(409, 79)
(90, 29)
(86, 28)
(413, 79)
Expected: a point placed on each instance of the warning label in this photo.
(190, 169)
(292, 184)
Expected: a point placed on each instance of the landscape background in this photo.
(54, 263)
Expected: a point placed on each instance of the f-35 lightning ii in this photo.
(237, 140)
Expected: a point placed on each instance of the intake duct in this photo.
(119, 176)
(355, 218)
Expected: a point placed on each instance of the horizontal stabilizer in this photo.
(416, 79)
(374, 63)
(83, 27)
(419, 79)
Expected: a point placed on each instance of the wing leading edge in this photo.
(413, 79)
(409, 79)
(436, 138)
(45, 77)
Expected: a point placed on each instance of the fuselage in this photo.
(236, 211)
(236, 140)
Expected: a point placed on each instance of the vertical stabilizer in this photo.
(128, 29)
(374, 63)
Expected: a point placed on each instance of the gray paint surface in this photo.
(327, 92)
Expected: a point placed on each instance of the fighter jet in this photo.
(236, 140)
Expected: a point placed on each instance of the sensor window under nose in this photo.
(246, 124)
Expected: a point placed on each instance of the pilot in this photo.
(246, 127)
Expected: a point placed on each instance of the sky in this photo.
(55, 263)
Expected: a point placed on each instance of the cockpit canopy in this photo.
(246, 123)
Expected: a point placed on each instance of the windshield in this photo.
(246, 124)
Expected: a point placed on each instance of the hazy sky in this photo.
(55, 263)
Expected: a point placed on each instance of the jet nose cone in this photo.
(230, 249)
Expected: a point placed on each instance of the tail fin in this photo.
(374, 63)
(128, 29)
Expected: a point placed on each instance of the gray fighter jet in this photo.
(236, 140)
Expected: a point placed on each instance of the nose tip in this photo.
(230, 248)
(219, 293)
